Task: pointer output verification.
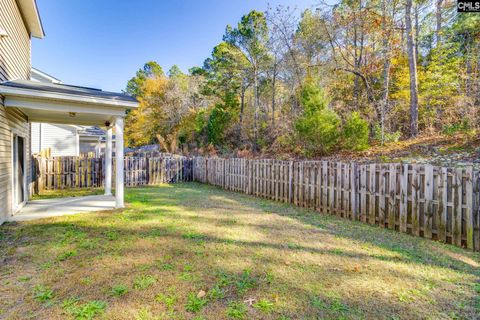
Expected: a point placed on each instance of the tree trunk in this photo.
(274, 78)
(438, 16)
(412, 64)
(417, 32)
(255, 108)
(242, 103)
(386, 70)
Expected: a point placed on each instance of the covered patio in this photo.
(48, 208)
(73, 105)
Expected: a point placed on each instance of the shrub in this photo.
(355, 133)
(318, 126)
(319, 131)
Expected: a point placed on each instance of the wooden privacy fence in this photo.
(85, 172)
(432, 202)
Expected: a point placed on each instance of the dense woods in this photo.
(334, 77)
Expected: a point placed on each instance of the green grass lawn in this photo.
(191, 251)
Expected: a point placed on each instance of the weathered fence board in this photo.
(84, 172)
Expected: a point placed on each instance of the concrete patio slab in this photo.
(46, 208)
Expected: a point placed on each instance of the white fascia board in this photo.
(35, 94)
(32, 17)
(58, 106)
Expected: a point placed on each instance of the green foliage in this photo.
(42, 293)
(318, 127)
(246, 281)
(264, 305)
(144, 282)
(319, 131)
(118, 290)
(168, 299)
(66, 255)
(194, 304)
(387, 136)
(220, 119)
(355, 133)
(85, 311)
(150, 69)
(236, 310)
(452, 129)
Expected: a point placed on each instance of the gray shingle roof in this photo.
(67, 89)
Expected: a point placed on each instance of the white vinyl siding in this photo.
(15, 47)
(60, 139)
(10, 119)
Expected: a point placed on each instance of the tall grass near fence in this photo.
(440, 203)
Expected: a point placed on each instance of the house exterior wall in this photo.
(15, 47)
(11, 121)
(14, 64)
(60, 139)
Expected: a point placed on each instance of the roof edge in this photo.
(29, 93)
(30, 14)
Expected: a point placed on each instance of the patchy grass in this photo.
(191, 251)
(51, 194)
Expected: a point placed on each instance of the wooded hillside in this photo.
(331, 78)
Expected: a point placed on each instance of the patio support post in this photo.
(119, 184)
(108, 163)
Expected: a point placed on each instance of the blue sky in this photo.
(102, 43)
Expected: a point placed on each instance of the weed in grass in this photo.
(112, 235)
(216, 293)
(197, 237)
(88, 244)
(118, 290)
(86, 281)
(264, 306)
(46, 265)
(224, 279)
(144, 267)
(145, 314)
(194, 304)
(24, 278)
(198, 317)
(144, 282)
(268, 278)
(236, 310)
(337, 251)
(85, 311)
(66, 255)
(42, 293)
(187, 275)
(293, 246)
(166, 266)
(169, 300)
(245, 281)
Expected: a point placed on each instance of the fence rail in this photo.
(432, 202)
(440, 203)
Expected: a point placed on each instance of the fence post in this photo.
(353, 189)
(469, 219)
